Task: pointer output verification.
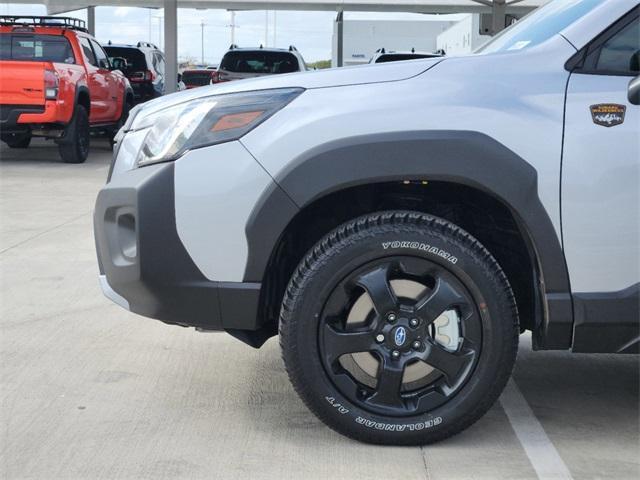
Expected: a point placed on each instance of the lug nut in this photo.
(395, 354)
(414, 322)
(380, 338)
(417, 345)
(391, 317)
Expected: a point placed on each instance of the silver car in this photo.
(241, 63)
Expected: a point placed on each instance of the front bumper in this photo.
(145, 267)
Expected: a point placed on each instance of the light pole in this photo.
(232, 25)
(202, 25)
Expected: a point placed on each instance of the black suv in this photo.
(145, 68)
(243, 63)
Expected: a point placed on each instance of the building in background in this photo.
(463, 37)
(363, 37)
(458, 34)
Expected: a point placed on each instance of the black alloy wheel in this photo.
(399, 328)
(400, 333)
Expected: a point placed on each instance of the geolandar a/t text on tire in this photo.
(414, 324)
(397, 246)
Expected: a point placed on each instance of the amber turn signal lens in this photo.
(235, 120)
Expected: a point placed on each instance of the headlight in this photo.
(206, 121)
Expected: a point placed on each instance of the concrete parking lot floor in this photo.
(92, 391)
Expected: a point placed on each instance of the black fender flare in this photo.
(128, 91)
(82, 89)
(464, 157)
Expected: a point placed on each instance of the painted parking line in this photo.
(543, 456)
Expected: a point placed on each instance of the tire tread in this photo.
(356, 230)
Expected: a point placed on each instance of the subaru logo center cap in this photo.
(400, 336)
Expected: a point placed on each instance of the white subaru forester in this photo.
(399, 224)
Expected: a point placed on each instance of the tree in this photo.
(320, 64)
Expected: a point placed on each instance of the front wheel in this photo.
(399, 328)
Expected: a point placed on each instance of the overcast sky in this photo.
(310, 32)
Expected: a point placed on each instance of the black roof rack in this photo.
(35, 21)
(147, 45)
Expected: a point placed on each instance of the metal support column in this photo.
(171, 45)
(91, 20)
(233, 27)
(340, 39)
(499, 16)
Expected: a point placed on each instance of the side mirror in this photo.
(179, 77)
(633, 94)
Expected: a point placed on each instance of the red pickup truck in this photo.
(57, 82)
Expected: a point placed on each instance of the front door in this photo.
(97, 83)
(111, 113)
(601, 179)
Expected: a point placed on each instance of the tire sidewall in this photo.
(70, 148)
(21, 140)
(407, 240)
(82, 130)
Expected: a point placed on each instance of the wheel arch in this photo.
(354, 176)
(83, 98)
(128, 94)
(127, 98)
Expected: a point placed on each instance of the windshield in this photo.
(259, 62)
(540, 25)
(136, 61)
(38, 48)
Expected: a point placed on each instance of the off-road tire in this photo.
(74, 146)
(375, 237)
(17, 140)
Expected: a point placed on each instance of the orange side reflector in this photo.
(235, 120)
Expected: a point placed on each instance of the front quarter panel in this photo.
(516, 99)
(490, 121)
(216, 189)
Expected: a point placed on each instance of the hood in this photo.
(334, 77)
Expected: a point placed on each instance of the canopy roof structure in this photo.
(415, 6)
(498, 8)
